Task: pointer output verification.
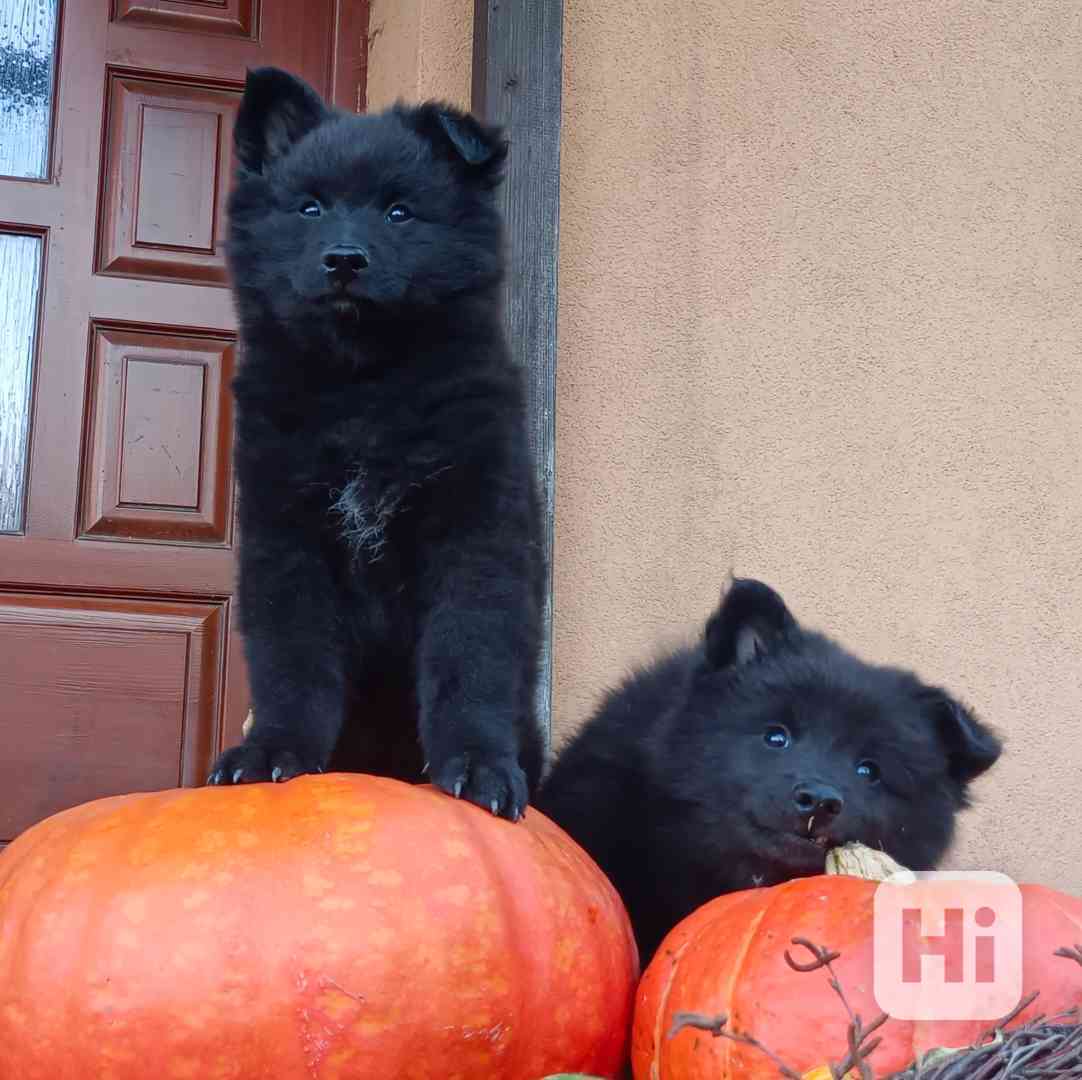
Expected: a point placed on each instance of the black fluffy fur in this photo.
(675, 790)
(390, 556)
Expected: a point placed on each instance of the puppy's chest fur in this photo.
(375, 467)
(370, 501)
(373, 473)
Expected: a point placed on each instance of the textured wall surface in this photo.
(419, 49)
(820, 322)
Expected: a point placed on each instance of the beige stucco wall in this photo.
(419, 49)
(820, 287)
(820, 321)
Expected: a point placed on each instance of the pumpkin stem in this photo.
(856, 860)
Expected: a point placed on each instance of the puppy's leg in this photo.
(289, 610)
(477, 666)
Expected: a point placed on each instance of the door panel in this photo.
(159, 455)
(120, 661)
(236, 18)
(103, 696)
(165, 175)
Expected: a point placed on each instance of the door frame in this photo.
(517, 83)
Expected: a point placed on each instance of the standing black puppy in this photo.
(389, 525)
(740, 761)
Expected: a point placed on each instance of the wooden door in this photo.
(120, 665)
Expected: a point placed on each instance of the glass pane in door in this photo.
(27, 62)
(20, 278)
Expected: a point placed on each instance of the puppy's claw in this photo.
(457, 790)
(237, 774)
(276, 773)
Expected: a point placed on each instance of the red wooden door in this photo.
(120, 666)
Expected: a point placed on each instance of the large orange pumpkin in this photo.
(728, 959)
(332, 927)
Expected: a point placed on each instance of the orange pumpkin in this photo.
(332, 927)
(727, 958)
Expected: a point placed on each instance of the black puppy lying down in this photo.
(740, 761)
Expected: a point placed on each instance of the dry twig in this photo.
(860, 1048)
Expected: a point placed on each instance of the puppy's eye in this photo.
(868, 770)
(399, 213)
(311, 208)
(777, 737)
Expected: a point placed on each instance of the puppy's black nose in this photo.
(813, 798)
(342, 263)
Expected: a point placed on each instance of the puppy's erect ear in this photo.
(971, 747)
(277, 109)
(749, 623)
(456, 134)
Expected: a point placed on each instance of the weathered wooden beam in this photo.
(517, 82)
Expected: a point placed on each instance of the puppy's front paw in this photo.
(253, 764)
(496, 784)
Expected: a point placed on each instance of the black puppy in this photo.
(739, 762)
(390, 554)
